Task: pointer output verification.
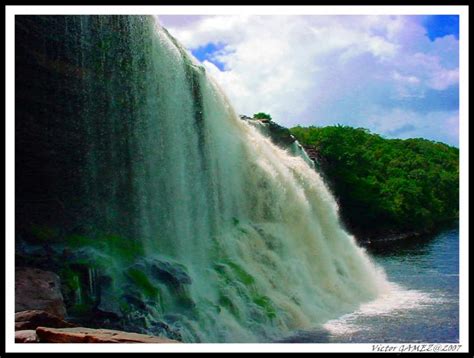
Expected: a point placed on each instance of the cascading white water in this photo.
(290, 144)
(256, 227)
(189, 216)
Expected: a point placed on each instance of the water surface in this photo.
(422, 306)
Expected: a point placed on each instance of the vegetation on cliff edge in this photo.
(262, 115)
(386, 185)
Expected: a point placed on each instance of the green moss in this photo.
(243, 231)
(241, 274)
(77, 241)
(141, 280)
(125, 307)
(69, 278)
(185, 301)
(266, 304)
(230, 271)
(226, 302)
(122, 249)
(126, 249)
(80, 309)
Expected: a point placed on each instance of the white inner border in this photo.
(11, 11)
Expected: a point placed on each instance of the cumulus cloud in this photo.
(320, 70)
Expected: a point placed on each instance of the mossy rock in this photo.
(266, 305)
(117, 247)
(170, 273)
(142, 282)
(231, 271)
(226, 302)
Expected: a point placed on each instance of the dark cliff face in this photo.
(79, 93)
(50, 140)
(66, 82)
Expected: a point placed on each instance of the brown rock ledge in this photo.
(32, 319)
(26, 336)
(88, 335)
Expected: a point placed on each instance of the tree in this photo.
(261, 115)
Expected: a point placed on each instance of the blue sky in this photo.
(441, 25)
(208, 52)
(395, 75)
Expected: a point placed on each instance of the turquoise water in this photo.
(423, 308)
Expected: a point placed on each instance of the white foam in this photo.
(393, 300)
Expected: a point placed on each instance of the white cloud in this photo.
(398, 123)
(406, 79)
(443, 78)
(321, 69)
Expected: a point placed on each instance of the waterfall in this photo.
(187, 219)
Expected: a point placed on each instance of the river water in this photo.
(422, 307)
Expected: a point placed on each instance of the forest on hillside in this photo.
(386, 185)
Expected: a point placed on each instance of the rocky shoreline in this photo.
(41, 316)
(84, 335)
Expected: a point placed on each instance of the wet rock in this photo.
(108, 305)
(88, 335)
(171, 273)
(40, 254)
(99, 319)
(26, 320)
(26, 336)
(279, 135)
(166, 330)
(135, 300)
(36, 289)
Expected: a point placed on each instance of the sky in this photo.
(397, 76)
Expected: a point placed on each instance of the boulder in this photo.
(26, 320)
(88, 335)
(36, 289)
(171, 273)
(26, 336)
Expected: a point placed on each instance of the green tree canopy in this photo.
(389, 184)
(262, 115)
